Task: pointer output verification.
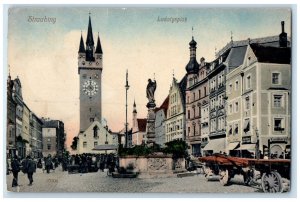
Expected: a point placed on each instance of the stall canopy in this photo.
(216, 145)
(105, 147)
(232, 145)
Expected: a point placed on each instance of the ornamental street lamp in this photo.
(126, 124)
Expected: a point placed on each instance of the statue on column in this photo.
(151, 87)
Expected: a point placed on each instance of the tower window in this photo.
(92, 119)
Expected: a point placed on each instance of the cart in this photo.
(273, 175)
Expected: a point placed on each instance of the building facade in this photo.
(175, 121)
(197, 116)
(160, 119)
(36, 137)
(138, 131)
(259, 107)
(54, 137)
(11, 145)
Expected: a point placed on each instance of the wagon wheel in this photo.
(224, 177)
(272, 182)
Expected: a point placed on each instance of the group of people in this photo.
(28, 166)
(83, 162)
(91, 162)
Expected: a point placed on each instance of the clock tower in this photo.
(90, 65)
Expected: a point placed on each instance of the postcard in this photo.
(148, 100)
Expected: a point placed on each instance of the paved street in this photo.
(59, 181)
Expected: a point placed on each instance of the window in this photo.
(247, 103)
(248, 82)
(189, 130)
(236, 130)
(278, 124)
(277, 101)
(84, 144)
(236, 106)
(49, 146)
(95, 144)
(230, 130)
(204, 91)
(91, 119)
(230, 108)
(230, 88)
(246, 125)
(189, 114)
(95, 131)
(236, 85)
(199, 94)
(190, 82)
(276, 78)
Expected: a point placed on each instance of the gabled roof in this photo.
(182, 87)
(142, 123)
(268, 54)
(236, 56)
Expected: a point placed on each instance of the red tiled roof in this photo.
(142, 125)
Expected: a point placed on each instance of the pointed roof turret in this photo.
(192, 67)
(81, 45)
(99, 48)
(89, 38)
(134, 107)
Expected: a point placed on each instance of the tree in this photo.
(74, 143)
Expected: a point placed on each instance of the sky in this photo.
(44, 54)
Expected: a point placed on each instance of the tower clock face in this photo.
(90, 88)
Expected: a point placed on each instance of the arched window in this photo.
(95, 131)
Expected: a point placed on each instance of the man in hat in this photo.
(31, 168)
(15, 168)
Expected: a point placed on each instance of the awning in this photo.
(232, 145)
(216, 145)
(105, 147)
(250, 147)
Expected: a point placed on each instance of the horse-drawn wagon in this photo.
(272, 174)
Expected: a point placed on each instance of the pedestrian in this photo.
(15, 168)
(31, 168)
(48, 163)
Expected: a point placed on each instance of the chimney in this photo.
(282, 37)
(282, 26)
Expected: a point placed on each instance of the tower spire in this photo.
(90, 42)
(81, 45)
(99, 48)
(89, 38)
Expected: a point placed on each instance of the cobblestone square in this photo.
(99, 182)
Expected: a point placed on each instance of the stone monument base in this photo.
(156, 165)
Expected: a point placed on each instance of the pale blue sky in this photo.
(44, 55)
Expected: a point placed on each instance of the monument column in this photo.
(150, 128)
